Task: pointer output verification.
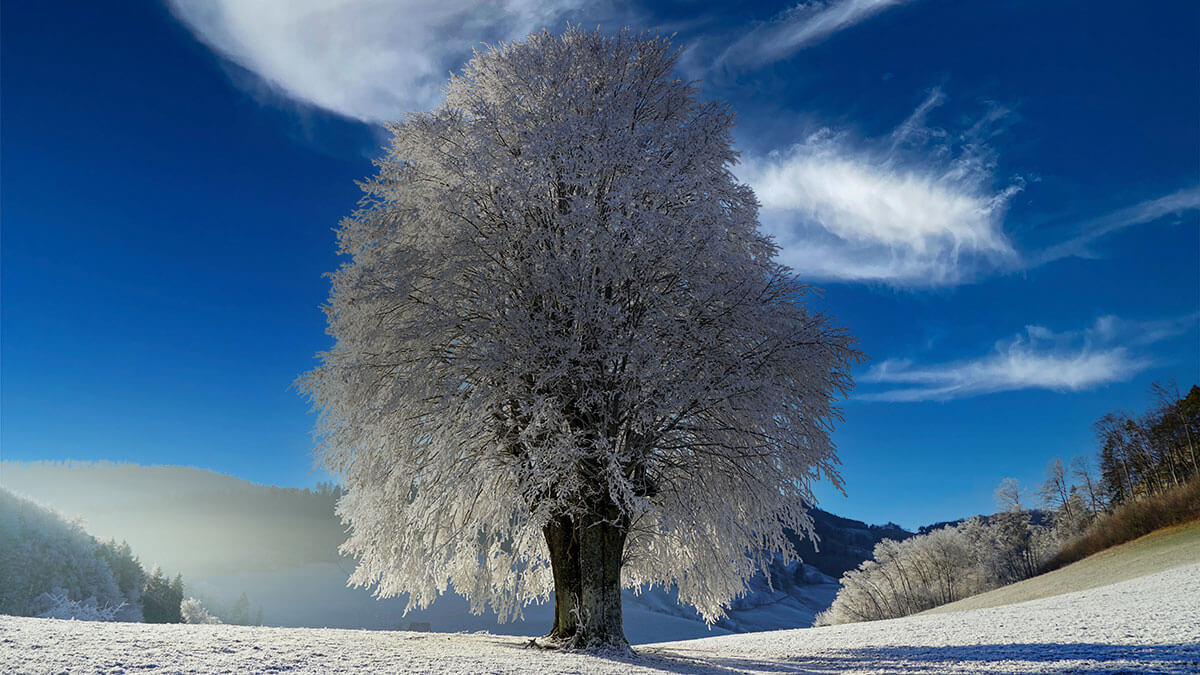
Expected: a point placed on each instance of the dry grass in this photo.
(1132, 520)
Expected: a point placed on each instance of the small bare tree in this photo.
(1055, 492)
(1085, 474)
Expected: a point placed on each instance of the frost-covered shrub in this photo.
(57, 605)
(42, 554)
(193, 611)
(948, 564)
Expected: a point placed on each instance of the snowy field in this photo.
(1145, 625)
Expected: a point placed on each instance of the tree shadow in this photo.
(996, 658)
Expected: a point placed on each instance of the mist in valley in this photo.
(278, 546)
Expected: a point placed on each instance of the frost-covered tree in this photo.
(51, 566)
(905, 577)
(193, 611)
(565, 357)
(1055, 492)
(1016, 542)
(1084, 474)
(1070, 513)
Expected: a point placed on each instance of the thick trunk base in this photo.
(563, 543)
(585, 558)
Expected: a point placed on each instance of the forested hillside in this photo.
(51, 567)
(185, 518)
(843, 543)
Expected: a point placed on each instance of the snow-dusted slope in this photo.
(1155, 552)
(1145, 625)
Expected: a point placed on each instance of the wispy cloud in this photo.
(914, 208)
(804, 24)
(1037, 358)
(919, 207)
(375, 60)
(1139, 214)
(371, 60)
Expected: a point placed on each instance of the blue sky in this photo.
(1000, 200)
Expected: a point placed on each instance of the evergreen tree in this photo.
(161, 598)
(129, 575)
(155, 597)
(175, 598)
(241, 611)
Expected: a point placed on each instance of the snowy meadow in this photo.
(1145, 625)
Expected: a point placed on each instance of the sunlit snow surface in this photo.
(1145, 625)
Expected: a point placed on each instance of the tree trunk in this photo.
(601, 547)
(585, 558)
(563, 544)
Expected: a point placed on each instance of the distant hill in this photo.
(184, 518)
(843, 543)
(279, 546)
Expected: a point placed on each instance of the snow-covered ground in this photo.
(1145, 625)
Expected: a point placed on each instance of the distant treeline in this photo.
(1148, 454)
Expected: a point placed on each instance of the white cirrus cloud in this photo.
(1149, 211)
(803, 25)
(1037, 358)
(915, 208)
(370, 60)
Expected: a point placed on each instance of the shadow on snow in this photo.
(1069, 657)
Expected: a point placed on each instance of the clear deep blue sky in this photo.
(999, 199)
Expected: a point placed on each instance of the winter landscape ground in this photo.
(1149, 624)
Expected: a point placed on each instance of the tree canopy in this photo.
(560, 326)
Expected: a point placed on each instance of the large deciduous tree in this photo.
(565, 359)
